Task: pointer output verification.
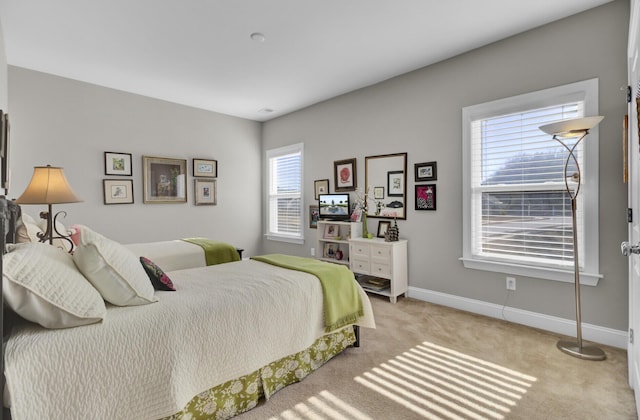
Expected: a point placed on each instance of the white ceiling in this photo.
(199, 52)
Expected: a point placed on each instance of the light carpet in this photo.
(427, 361)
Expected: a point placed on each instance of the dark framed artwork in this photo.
(426, 171)
(378, 193)
(395, 183)
(164, 180)
(344, 175)
(205, 192)
(4, 152)
(383, 225)
(117, 163)
(117, 191)
(314, 216)
(426, 197)
(205, 168)
(320, 186)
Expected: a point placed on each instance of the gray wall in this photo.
(71, 124)
(420, 113)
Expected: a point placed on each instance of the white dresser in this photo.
(380, 260)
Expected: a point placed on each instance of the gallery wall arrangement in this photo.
(164, 180)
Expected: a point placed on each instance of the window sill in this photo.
(555, 274)
(289, 239)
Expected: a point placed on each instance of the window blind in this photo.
(285, 193)
(520, 209)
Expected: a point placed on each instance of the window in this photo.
(516, 212)
(284, 194)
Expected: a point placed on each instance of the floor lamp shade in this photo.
(48, 185)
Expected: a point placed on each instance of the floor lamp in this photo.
(575, 128)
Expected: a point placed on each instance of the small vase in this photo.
(365, 232)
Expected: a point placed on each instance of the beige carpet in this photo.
(431, 362)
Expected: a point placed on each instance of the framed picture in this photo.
(4, 152)
(205, 167)
(118, 191)
(344, 175)
(426, 197)
(331, 231)
(426, 171)
(395, 183)
(383, 225)
(117, 163)
(164, 180)
(378, 193)
(205, 192)
(314, 216)
(321, 186)
(330, 250)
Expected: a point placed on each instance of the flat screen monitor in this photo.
(334, 206)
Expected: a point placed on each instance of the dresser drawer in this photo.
(380, 269)
(359, 250)
(359, 265)
(381, 253)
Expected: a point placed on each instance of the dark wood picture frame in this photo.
(395, 180)
(4, 152)
(117, 191)
(383, 225)
(116, 163)
(426, 171)
(425, 197)
(345, 175)
(207, 168)
(320, 186)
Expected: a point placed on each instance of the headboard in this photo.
(9, 213)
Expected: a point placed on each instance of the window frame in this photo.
(269, 155)
(586, 91)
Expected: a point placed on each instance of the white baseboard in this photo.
(593, 333)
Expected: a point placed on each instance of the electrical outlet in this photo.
(313, 252)
(511, 283)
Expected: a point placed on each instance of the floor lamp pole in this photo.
(576, 349)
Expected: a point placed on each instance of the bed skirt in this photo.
(242, 394)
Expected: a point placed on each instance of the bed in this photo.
(230, 334)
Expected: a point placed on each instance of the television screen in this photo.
(334, 206)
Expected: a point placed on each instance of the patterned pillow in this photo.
(158, 278)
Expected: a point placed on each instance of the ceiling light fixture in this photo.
(258, 37)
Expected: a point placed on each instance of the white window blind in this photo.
(520, 207)
(284, 197)
(516, 211)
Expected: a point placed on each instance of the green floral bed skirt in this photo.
(242, 394)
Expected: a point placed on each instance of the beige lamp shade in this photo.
(572, 127)
(48, 186)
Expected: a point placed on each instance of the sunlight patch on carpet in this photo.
(323, 406)
(439, 383)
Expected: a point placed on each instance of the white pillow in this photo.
(27, 229)
(114, 270)
(42, 284)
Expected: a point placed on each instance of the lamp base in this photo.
(586, 352)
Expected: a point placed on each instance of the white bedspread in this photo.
(171, 255)
(146, 362)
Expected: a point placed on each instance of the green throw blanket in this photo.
(342, 303)
(215, 252)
